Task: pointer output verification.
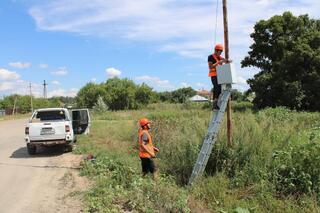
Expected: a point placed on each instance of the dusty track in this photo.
(41, 183)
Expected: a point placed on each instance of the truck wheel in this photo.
(31, 149)
(68, 148)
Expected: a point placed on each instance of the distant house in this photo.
(205, 93)
(198, 98)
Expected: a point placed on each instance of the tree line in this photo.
(114, 94)
(23, 102)
(121, 94)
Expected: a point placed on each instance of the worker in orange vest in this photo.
(215, 60)
(146, 149)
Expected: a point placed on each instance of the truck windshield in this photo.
(50, 115)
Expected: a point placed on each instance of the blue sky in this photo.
(163, 43)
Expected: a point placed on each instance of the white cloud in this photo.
(155, 82)
(55, 82)
(43, 66)
(113, 72)
(62, 92)
(93, 80)
(60, 71)
(6, 75)
(183, 27)
(20, 65)
(5, 86)
(20, 87)
(189, 23)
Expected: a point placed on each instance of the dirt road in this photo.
(41, 183)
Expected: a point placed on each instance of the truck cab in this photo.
(55, 126)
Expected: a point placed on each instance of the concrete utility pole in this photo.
(44, 89)
(31, 103)
(226, 44)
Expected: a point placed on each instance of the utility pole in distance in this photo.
(226, 44)
(44, 89)
(31, 103)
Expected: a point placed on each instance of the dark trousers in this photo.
(216, 87)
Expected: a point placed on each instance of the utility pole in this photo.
(31, 103)
(226, 44)
(44, 89)
(14, 105)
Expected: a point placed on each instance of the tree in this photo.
(89, 94)
(237, 95)
(143, 94)
(165, 96)
(120, 94)
(182, 94)
(287, 51)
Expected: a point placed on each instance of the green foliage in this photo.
(271, 148)
(118, 182)
(143, 95)
(124, 94)
(100, 106)
(296, 169)
(120, 94)
(23, 102)
(237, 95)
(89, 94)
(286, 49)
(117, 94)
(177, 96)
(181, 95)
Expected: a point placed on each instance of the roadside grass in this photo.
(273, 165)
(14, 117)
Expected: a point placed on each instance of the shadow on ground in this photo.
(41, 152)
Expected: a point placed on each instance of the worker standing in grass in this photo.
(146, 149)
(215, 60)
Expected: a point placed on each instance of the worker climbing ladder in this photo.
(211, 136)
(226, 77)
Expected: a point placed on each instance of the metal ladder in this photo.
(211, 136)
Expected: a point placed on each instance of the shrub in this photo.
(296, 169)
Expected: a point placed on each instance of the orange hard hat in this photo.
(219, 47)
(143, 122)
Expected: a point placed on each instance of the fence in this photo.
(2, 112)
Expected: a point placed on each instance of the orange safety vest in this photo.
(213, 71)
(142, 152)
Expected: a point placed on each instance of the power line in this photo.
(216, 23)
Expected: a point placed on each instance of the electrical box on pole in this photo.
(226, 74)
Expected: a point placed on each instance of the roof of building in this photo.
(198, 98)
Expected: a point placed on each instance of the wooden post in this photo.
(226, 46)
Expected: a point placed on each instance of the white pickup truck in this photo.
(53, 126)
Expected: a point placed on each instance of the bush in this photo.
(296, 169)
(119, 187)
(272, 149)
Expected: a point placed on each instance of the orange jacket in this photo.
(142, 152)
(213, 71)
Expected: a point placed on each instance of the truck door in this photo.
(80, 121)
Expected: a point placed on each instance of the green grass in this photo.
(273, 165)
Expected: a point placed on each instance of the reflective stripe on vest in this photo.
(142, 152)
(213, 71)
